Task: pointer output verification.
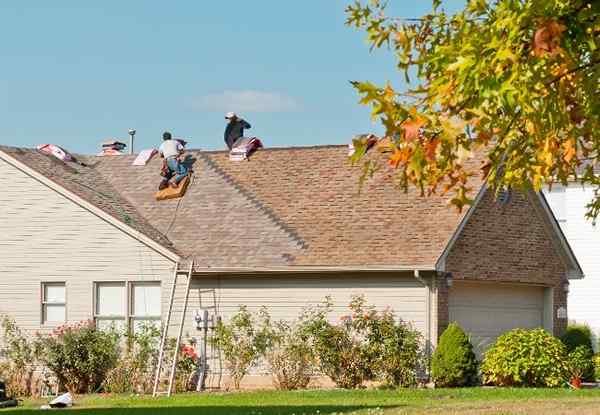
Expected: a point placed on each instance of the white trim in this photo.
(90, 207)
(575, 273)
(440, 265)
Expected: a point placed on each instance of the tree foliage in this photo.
(515, 79)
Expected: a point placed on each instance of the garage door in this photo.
(486, 311)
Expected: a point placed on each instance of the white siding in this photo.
(584, 238)
(46, 237)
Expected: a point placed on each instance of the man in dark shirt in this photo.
(235, 129)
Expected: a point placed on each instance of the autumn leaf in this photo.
(430, 148)
(569, 150)
(412, 128)
(546, 39)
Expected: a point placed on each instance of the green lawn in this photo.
(322, 402)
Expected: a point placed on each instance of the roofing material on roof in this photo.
(289, 208)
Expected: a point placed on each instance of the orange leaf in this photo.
(395, 158)
(569, 150)
(413, 127)
(430, 148)
(546, 39)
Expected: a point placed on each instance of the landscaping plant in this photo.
(453, 363)
(17, 360)
(135, 370)
(290, 358)
(366, 345)
(580, 364)
(80, 356)
(242, 341)
(577, 335)
(526, 358)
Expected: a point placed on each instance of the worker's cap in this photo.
(230, 115)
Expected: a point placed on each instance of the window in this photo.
(120, 305)
(110, 300)
(145, 304)
(558, 202)
(54, 304)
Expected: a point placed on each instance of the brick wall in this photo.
(510, 242)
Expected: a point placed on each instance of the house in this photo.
(283, 230)
(569, 206)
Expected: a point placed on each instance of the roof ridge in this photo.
(267, 211)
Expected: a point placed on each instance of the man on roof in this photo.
(174, 171)
(235, 128)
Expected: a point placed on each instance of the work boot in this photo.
(163, 185)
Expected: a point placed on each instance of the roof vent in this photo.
(503, 196)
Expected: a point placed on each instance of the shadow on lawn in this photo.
(213, 410)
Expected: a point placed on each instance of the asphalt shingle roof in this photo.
(285, 207)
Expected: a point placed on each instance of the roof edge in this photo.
(89, 207)
(310, 269)
(440, 264)
(576, 272)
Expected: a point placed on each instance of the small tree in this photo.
(453, 363)
(242, 341)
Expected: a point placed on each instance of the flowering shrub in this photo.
(366, 345)
(187, 366)
(135, 370)
(242, 341)
(79, 355)
(290, 357)
(17, 364)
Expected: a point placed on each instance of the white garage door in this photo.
(486, 311)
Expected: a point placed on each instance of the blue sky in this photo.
(75, 73)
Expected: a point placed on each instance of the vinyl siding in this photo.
(584, 238)
(286, 296)
(47, 237)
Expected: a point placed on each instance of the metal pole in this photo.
(131, 134)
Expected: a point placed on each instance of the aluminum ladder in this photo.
(165, 331)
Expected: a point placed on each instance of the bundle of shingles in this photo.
(112, 148)
(244, 147)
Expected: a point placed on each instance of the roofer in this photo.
(235, 128)
(173, 170)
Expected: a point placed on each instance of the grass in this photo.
(328, 402)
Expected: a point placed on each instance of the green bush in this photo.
(577, 335)
(526, 358)
(580, 362)
(453, 363)
(596, 361)
(80, 356)
(580, 335)
(366, 345)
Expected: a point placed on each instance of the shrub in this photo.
(367, 345)
(80, 355)
(580, 335)
(135, 370)
(18, 360)
(290, 357)
(453, 363)
(577, 335)
(596, 361)
(241, 342)
(526, 358)
(580, 362)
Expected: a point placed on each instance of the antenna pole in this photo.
(131, 134)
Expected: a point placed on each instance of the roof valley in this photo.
(260, 206)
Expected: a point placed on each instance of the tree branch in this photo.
(577, 69)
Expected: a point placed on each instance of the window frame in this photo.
(129, 316)
(44, 303)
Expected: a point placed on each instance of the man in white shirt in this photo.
(173, 170)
